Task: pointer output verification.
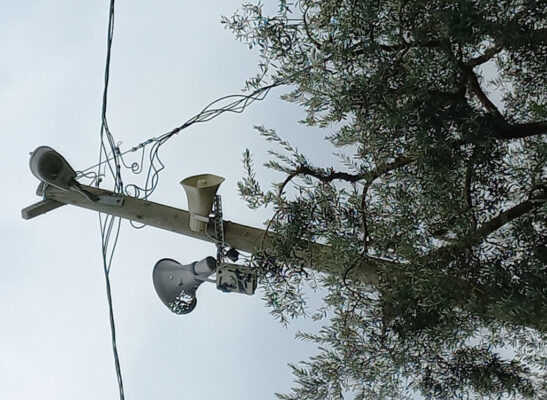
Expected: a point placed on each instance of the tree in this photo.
(441, 191)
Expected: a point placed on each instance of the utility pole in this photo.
(175, 283)
(59, 187)
(160, 216)
(238, 236)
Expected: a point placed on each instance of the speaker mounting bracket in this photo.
(219, 227)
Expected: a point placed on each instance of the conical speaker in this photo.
(49, 166)
(176, 284)
(200, 192)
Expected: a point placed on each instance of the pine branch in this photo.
(327, 176)
(507, 216)
(488, 54)
(308, 33)
(519, 131)
(467, 193)
(475, 87)
(492, 225)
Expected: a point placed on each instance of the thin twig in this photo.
(467, 193)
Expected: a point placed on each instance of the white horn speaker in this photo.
(176, 284)
(200, 192)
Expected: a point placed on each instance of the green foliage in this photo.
(440, 190)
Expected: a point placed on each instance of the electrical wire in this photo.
(231, 103)
(235, 103)
(110, 224)
(111, 160)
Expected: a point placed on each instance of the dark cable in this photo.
(114, 161)
(237, 104)
(109, 222)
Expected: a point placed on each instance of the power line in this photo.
(108, 226)
(113, 162)
(235, 103)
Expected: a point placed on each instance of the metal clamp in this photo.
(219, 228)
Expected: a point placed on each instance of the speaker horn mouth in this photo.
(183, 304)
(202, 181)
(176, 284)
(200, 192)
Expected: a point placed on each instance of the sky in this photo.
(169, 59)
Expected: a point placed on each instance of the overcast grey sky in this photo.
(170, 58)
